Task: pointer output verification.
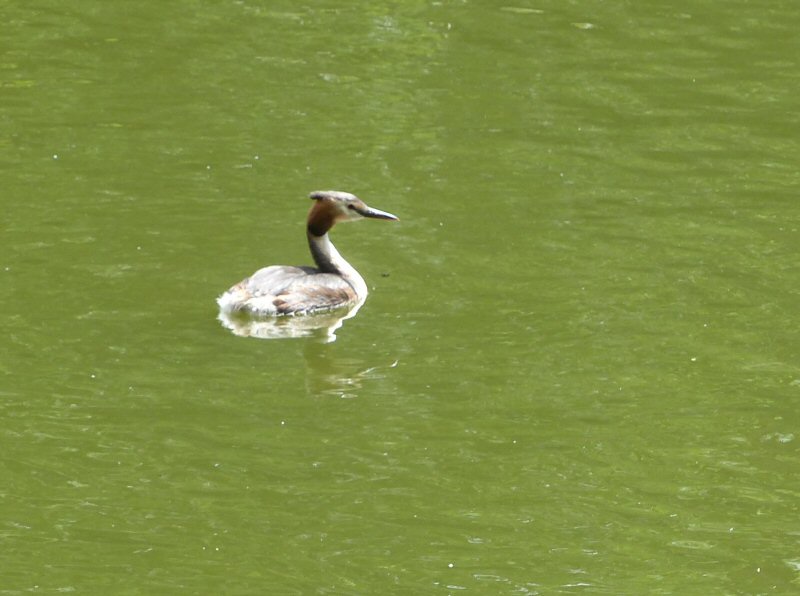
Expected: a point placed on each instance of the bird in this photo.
(333, 284)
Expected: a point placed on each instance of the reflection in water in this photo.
(322, 326)
(330, 373)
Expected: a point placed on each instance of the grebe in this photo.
(333, 284)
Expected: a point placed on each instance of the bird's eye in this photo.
(351, 207)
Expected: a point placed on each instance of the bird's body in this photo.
(332, 284)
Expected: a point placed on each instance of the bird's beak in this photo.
(377, 214)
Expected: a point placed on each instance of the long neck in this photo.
(329, 260)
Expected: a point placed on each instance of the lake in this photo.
(577, 369)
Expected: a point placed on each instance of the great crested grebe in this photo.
(333, 284)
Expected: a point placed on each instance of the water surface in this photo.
(576, 371)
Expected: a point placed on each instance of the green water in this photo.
(577, 370)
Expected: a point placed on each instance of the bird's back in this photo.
(282, 290)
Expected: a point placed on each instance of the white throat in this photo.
(329, 260)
